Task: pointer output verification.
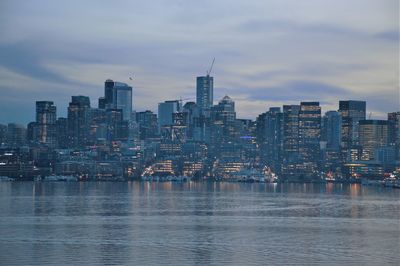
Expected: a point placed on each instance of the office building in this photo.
(117, 95)
(165, 112)
(332, 126)
(394, 132)
(269, 137)
(352, 112)
(16, 135)
(79, 121)
(310, 134)
(373, 134)
(204, 92)
(148, 125)
(46, 117)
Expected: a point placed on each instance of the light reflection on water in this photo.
(197, 223)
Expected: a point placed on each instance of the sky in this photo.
(267, 53)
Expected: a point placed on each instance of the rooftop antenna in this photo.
(212, 64)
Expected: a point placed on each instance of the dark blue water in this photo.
(197, 224)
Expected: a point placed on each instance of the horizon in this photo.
(267, 53)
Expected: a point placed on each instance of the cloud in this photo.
(267, 52)
(24, 59)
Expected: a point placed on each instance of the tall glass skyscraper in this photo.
(352, 112)
(118, 95)
(204, 92)
(309, 131)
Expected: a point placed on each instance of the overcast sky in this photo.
(268, 53)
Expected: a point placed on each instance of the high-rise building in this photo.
(117, 95)
(352, 112)
(269, 137)
(373, 134)
(62, 132)
(332, 126)
(165, 112)
(204, 92)
(148, 126)
(46, 117)
(102, 103)
(3, 134)
(394, 132)
(290, 131)
(98, 126)
(79, 120)
(195, 122)
(117, 128)
(309, 135)
(16, 135)
(222, 125)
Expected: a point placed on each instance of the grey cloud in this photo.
(291, 91)
(287, 26)
(22, 58)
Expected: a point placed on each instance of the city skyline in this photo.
(271, 54)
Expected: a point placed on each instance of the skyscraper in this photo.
(62, 132)
(373, 134)
(117, 95)
(165, 112)
(310, 134)
(147, 122)
(332, 124)
(222, 127)
(79, 120)
(46, 123)
(290, 131)
(269, 137)
(204, 92)
(394, 132)
(352, 112)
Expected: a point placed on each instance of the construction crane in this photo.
(212, 64)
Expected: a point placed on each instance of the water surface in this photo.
(134, 223)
